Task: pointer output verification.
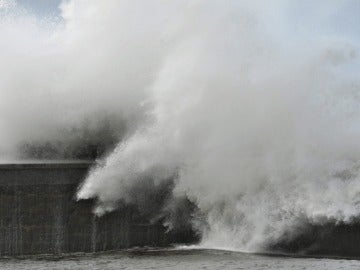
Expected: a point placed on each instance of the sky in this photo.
(304, 14)
(41, 8)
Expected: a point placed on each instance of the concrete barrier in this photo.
(39, 215)
(326, 240)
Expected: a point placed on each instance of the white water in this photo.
(254, 105)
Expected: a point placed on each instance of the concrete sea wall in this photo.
(39, 215)
(326, 240)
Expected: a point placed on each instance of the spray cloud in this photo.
(250, 108)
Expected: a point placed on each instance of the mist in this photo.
(247, 110)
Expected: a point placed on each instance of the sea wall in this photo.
(327, 240)
(39, 215)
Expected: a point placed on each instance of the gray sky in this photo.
(41, 7)
(303, 14)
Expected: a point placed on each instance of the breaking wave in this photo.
(245, 114)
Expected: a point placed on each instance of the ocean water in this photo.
(177, 259)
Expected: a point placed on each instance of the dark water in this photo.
(177, 259)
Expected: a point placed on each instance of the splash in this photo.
(243, 108)
(260, 131)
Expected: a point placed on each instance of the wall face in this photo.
(38, 215)
(339, 240)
